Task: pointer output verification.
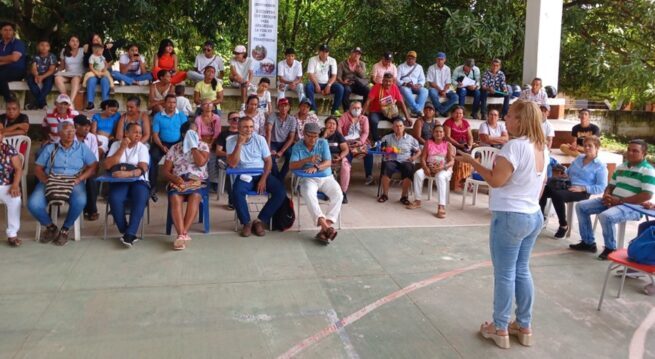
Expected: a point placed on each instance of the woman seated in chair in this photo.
(129, 159)
(339, 151)
(11, 170)
(459, 134)
(186, 171)
(587, 175)
(103, 125)
(437, 160)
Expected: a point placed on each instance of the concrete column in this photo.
(543, 32)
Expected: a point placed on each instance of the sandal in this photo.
(523, 334)
(322, 238)
(331, 233)
(14, 241)
(502, 341)
(383, 198)
(179, 244)
(441, 213)
(92, 216)
(413, 205)
(404, 200)
(186, 236)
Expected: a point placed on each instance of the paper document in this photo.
(466, 82)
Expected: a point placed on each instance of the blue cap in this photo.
(441, 55)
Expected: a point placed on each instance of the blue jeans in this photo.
(356, 88)
(38, 205)
(442, 109)
(607, 216)
(91, 84)
(240, 189)
(511, 238)
(275, 171)
(463, 92)
(408, 95)
(130, 77)
(374, 119)
(368, 164)
(483, 100)
(134, 193)
(40, 92)
(336, 89)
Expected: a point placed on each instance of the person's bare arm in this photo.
(87, 173)
(290, 139)
(11, 58)
(200, 158)
(416, 131)
(496, 176)
(19, 129)
(146, 129)
(157, 141)
(17, 163)
(39, 173)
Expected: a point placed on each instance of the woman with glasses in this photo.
(204, 60)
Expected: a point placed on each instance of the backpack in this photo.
(642, 249)
(285, 216)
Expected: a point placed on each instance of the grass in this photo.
(620, 145)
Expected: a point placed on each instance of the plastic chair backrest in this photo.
(487, 155)
(17, 142)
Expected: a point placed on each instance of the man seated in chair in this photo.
(406, 150)
(312, 155)
(67, 161)
(250, 150)
(633, 182)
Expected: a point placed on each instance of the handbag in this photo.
(388, 107)
(642, 249)
(558, 183)
(59, 187)
(122, 167)
(359, 151)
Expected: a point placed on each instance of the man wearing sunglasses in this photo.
(206, 58)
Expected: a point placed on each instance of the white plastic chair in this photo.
(17, 142)
(432, 182)
(487, 157)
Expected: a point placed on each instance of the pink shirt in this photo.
(379, 70)
(346, 120)
(458, 133)
(213, 129)
(436, 152)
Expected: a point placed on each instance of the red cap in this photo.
(283, 101)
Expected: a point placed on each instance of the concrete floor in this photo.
(232, 297)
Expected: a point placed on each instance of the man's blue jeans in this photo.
(607, 216)
(336, 89)
(463, 92)
(240, 189)
(408, 95)
(511, 238)
(442, 109)
(130, 77)
(275, 171)
(483, 100)
(374, 119)
(40, 92)
(137, 194)
(91, 84)
(38, 205)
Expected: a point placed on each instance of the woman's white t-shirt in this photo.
(133, 156)
(522, 190)
(485, 129)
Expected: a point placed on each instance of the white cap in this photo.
(240, 49)
(63, 98)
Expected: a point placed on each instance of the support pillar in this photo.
(543, 33)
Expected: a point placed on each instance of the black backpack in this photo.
(285, 216)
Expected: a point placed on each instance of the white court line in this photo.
(638, 341)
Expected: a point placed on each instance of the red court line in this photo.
(309, 341)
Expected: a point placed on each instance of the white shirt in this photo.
(91, 141)
(522, 190)
(322, 70)
(416, 77)
(183, 105)
(548, 129)
(485, 129)
(289, 73)
(133, 156)
(202, 61)
(132, 66)
(541, 98)
(440, 76)
(242, 67)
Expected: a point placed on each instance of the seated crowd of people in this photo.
(195, 148)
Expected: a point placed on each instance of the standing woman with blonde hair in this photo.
(516, 180)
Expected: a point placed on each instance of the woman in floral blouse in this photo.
(11, 170)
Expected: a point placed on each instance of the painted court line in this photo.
(638, 342)
(309, 341)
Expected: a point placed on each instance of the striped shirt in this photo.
(629, 181)
(51, 122)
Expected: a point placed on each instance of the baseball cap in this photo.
(387, 55)
(545, 105)
(311, 127)
(411, 54)
(356, 49)
(290, 51)
(469, 62)
(305, 101)
(63, 98)
(324, 47)
(428, 104)
(282, 101)
(441, 55)
(81, 120)
(240, 49)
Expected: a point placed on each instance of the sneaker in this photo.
(90, 106)
(345, 198)
(336, 113)
(31, 106)
(246, 231)
(561, 232)
(230, 207)
(49, 234)
(475, 116)
(631, 273)
(606, 252)
(369, 180)
(584, 247)
(128, 240)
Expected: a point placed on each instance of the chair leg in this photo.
(106, 215)
(24, 189)
(78, 230)
(602, 293)
(475, 193)
(466, 183)
(625, 271)
(569, 218)
(298, 215)
(205, 204)
(169, 220)
(621, 234)
(430, 184)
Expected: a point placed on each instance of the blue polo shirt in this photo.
(253, 152)
(321, 149)
(67, 161)
(12, 46)
(167, 126)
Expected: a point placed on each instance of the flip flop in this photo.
(14, 241)
(404, 200)
(179, 244)
(383, 198)
(322, 238)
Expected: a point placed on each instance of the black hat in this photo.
(324, 47)
(81, 120)
(357, 49)
(387, 55)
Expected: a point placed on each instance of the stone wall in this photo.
(630, 124)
